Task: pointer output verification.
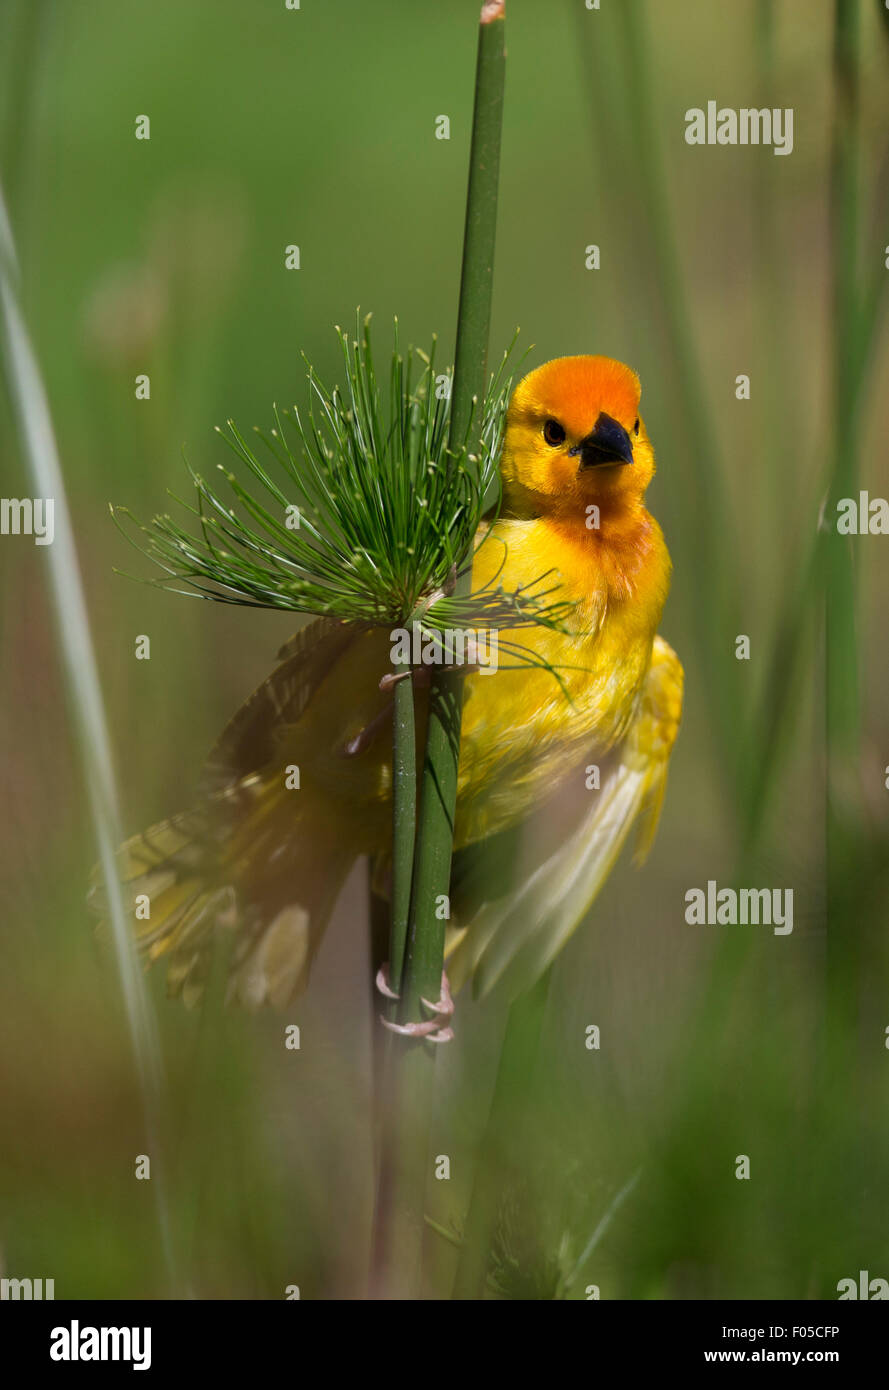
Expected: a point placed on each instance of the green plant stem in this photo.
(438, 793)
(404, 822)
(439, 784)
(401, 1197)
(389, 1236)
(476, 281)
(434, 845)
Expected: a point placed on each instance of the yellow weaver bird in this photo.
(268, 862)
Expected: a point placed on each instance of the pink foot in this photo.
(435, 1029)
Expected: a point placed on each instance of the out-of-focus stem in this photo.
(842, 723)
(518, 1055)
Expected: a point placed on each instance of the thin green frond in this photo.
(359, 507)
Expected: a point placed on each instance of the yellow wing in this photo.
(227, 863)
(513, 940)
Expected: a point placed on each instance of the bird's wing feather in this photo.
(513, 940)
(223, 863)
(249, 739)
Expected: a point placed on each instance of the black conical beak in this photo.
(607, 443)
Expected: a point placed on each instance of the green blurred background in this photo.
(317, 127)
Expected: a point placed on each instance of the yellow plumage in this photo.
(268, 861)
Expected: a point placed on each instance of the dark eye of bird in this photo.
(636, 427)
(553, 433)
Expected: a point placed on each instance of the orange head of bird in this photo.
(574, 436)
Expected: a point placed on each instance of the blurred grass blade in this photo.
(34, 427)
(842, 701)
(608, 1216)
(510, 1110)
(711, 526)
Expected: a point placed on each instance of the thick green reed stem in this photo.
(398, 1241)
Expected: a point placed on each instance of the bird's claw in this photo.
(444, 1005)
(435, 1029)
(383, 982)
(429, 1031)
(419, 676)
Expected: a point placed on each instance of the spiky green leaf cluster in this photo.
(356, 508)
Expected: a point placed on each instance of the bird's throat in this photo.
(620, 550)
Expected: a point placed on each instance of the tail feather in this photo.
(514, 938)
(520, 934)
